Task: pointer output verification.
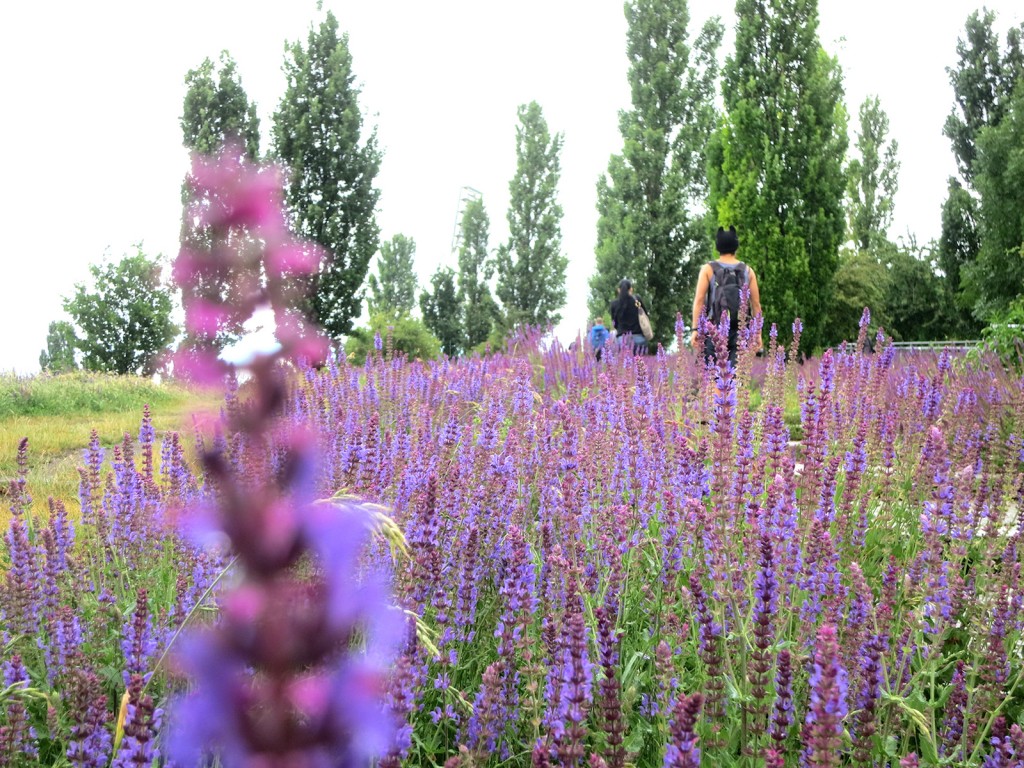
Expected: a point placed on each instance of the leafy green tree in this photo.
(976, 236)
(873, 178)
(776, 164)
(331, 195)
(405, 335)
(652, 223)
(124, 318)
(531, 266)
(443, 311)
(996, 277)
(915, 305)
(216, 111)
(393, 288)
(861, 281)
(59, 355)
(475, 270)
(1003, 337)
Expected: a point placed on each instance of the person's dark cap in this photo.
(726, 240)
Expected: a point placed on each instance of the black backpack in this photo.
(727, 282)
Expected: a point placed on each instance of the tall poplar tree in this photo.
(318, 133)
(393, 288)
(959, 246)
(652, 223)
(776, 166)
(979, 89)
(873, 177)
(475, 270)
(216, 111)
(531, 266)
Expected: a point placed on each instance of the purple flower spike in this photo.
(828, 685)
(141, 726)
(17, 737)
(295, 671)
(682, 751)
(138, 644)
(782, 709)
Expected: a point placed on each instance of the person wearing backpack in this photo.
(719, 286)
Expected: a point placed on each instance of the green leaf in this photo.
(634, 740)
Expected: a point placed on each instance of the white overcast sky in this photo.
(92, 95)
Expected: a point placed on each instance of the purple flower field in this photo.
(534, 559)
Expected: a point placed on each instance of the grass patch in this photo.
(72, 394)
(57, 414)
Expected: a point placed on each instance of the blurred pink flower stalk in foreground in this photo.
(293, 671)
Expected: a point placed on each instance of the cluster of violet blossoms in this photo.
(293, 672)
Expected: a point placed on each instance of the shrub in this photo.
(404, 334)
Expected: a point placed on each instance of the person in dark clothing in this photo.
(626, 318)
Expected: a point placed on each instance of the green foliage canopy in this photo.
(217, 109)
(996, 277)
(916, 306)
(124, 318)
(406, 335)
(981, 225)
(959, 246)
(59, 355)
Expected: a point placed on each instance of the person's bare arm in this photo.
(703, 281)
(755, 301)
(755, 293)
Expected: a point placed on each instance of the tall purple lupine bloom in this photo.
(1007, 745)
(828, 707)
(867, 698)
(766, 586)
(952, 734)
(22, 585)
(64, 637)
(610, 686)
(782, 709)
(17, 736)
(90, 742)
(682, 750)
(141, 726)
(710, 651)
(576, 686)
(315, 699)
(138, 643)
